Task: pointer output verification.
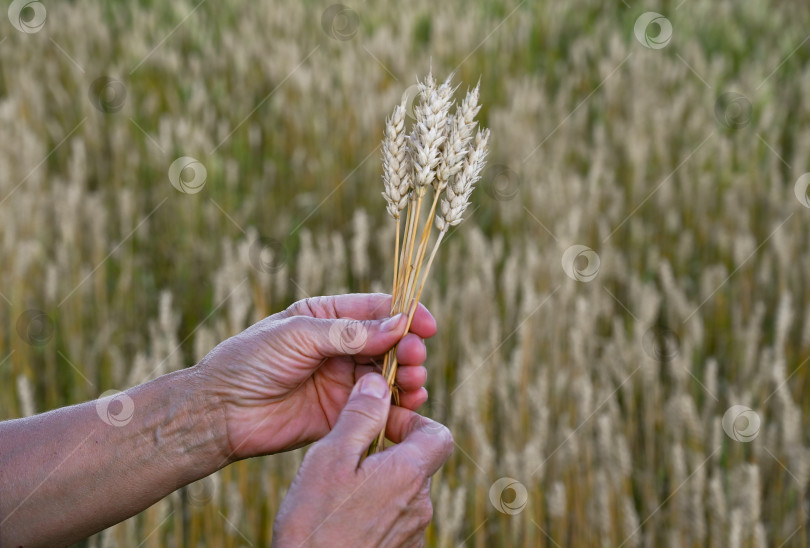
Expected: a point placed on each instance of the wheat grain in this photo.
(457, 193)
(461, 127)
(430, 131)
(396, 163)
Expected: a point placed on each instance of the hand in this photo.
(283, 381)
(337, 500)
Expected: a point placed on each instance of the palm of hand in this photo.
(282, 385)
(287, 401)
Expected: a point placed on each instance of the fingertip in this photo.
(382, 334)
(400, 423)
(411, 377)
(411, 350)
(413, 400)
(372, 384)
(424, 324)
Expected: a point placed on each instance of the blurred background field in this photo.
(596, 379)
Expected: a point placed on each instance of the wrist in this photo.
(206, 436)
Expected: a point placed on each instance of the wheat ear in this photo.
(437, 155)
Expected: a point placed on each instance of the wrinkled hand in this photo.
(338, 499)
(283, 382)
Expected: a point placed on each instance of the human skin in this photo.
(281, 384)
(347, 510)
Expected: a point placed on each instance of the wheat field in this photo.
(624, 322)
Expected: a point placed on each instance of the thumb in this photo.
(363, 417)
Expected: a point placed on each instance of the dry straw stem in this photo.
(396, 172)
(438, 155)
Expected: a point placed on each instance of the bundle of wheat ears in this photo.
(443, 153)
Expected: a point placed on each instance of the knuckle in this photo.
(298, 329)
(443, 438)
(447, 441)
(297, 307)
(424, 514)
(363, 413)
(443, 445)
(296, 322)
(367, 325)
(416, 422)
(309, 306)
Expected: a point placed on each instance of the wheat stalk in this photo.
(396, 172)
(438, 155)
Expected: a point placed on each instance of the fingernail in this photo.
(373, 385)
(391, 323)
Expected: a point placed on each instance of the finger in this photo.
(414, 399)
(361, 370)
(401, 422)
(357, 306)
(361, 419)
(423, 324)
(411, 377)
(420, 439)
(411, 399)
(411, 350)
(412, 393)
(321, 338)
